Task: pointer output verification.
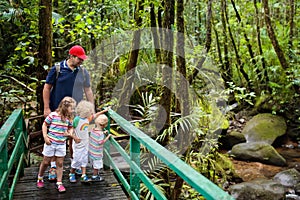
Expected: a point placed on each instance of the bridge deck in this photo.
(107, 189)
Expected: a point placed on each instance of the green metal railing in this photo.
(13, 153)
(137, 138)
(14, 137)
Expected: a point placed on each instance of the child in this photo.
(60, 127)
(97, 140)
(85, 114)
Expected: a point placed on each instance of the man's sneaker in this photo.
(40, 183)
(52, 174)
(78, 172)
(85, 178)
(97, 178)
(72, 178)
(60, 187)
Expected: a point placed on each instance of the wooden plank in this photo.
(109, 189)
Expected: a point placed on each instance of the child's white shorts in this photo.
(54, 150)
(80, 158)
(97, 164)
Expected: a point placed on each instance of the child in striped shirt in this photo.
(96, 143)
(60, 127)
(85, 114)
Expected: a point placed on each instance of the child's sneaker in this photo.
(52, 174)
(40, 183)
(85, 178)
(60, 188)
(97, 178)
(78, 172)
(72, 178)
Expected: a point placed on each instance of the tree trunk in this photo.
(265, 77)
(156, 40)
(207, 41)
(131, 64)
(272, 36)
(45, 47)
(251, 53)
(240, 65)
(226, 71)
(160, 13)
(167, 61)
(182, 90)
(292, 25)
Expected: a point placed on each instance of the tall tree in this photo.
(208, 40)
(182, 88)
(226, 71)
(272, 36)
(264, 78)
(292, 24)
(45, 47)
(240, 64)
(167, 61)
(249, 46)
(132, 60)
(156, 40)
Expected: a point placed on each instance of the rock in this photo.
(260, 189)
(264, 128)
(231, 139)
(297, 188)
(288, 178)
(258, 151)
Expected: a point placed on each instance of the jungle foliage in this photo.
(228, 55)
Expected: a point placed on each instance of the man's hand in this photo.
(47, 111)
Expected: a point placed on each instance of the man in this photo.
(72, 81)
(67, 78)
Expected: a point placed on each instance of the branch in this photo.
(19, 82)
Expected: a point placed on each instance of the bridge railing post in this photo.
(18, 131)
(106, 162)
(3, 168)
(135, 157)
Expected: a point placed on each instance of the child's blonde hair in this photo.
(63, 107)
(85, 109)
(101, 120)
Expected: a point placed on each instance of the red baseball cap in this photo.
(78, 51)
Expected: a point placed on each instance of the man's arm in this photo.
(89, 94)
(46, 99)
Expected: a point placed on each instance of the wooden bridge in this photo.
(18, 178)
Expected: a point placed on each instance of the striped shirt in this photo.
(57, 128)
(96, 144)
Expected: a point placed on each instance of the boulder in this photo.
(260, 189)
(264, 128)
(288, 178)
(232, 138)
(258, 151)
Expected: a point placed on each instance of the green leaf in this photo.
(78, 17)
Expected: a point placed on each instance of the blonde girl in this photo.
(56, 128)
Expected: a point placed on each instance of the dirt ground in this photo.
(252, 170)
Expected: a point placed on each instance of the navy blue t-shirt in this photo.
(68, 83)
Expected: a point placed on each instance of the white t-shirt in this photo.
(81, 128)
